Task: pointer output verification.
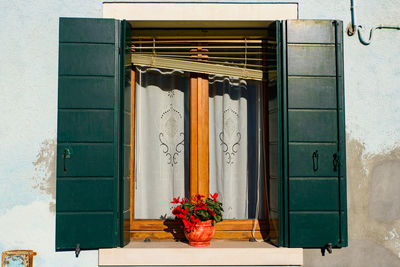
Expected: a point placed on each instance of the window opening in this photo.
(231, 68)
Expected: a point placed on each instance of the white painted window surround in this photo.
(164, 15)
(220, 253)
(200, 12)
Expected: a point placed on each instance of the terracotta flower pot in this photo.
(202, 234)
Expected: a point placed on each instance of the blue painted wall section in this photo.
(28, 108)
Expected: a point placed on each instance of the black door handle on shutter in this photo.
(66, 155)
(335, 161)
(315, 160)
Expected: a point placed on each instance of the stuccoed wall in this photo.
(28, 121)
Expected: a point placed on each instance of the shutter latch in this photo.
(327, 247)
(335, 161)
(77, 250)
(66, 155)
(315, 160)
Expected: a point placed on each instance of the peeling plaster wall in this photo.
(373, 211)
(28, 105)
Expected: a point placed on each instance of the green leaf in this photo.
(203, 215)
(217, 218)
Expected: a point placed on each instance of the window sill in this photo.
(220, 252)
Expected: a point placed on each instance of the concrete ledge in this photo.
(219, 253)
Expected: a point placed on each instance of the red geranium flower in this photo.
(200, 206)
(198, 196)
(196, 209)
(176, 200)
(211, 212)
(177, 210)
(185, 211)
(214, 197)
(189, 226)
(180, 213)
(193, 220)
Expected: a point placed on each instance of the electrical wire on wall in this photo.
(351, 29)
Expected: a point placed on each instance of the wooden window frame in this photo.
(230, 229)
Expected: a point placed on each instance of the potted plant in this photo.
(198, 217)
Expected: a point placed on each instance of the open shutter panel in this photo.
(313, 134)
(87, 136)
(127, 143)
(271, 99)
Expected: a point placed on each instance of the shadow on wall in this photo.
(373, 185)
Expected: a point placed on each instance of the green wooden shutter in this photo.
(273, 147)
(125, 197)
(313, 213)
(88, 136)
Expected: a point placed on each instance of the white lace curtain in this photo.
(160, 136)
(162, 143)
(234, 132)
